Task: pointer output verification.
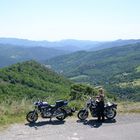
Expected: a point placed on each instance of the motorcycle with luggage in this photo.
(91, 106)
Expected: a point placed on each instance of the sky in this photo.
(53, 20)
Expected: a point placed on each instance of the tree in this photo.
(79, 91)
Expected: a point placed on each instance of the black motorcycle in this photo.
(91, 105)
(47, 111)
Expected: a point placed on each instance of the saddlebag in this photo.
(61, 103)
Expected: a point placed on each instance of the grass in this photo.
(79, 77)
(138, 69)
(128, 107)
(14, 112)
(135, 83)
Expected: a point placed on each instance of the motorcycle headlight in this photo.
(36, 103)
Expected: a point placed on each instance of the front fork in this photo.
(86, 110)
(35, 111)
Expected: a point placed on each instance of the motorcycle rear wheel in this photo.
(32, 117)
(111, 113)
(82, 115)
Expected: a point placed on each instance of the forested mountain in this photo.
(31, 80)
(70, 45)
(117, 68)
(13, 50)
(10, 54)
(115, 43)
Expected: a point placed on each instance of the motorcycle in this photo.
(47, 111)
(91, 105)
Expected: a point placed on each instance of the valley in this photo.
(111, 68)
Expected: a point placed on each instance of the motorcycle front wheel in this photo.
(32, 117)
(110, 113)
(82, 114)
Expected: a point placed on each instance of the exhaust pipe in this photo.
(59, 115)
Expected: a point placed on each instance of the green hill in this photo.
(31, 80)
(23, 83)
(116, 68)
(11, 54)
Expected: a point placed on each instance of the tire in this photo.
(110, 113)
(61, 118)
(32, 117)
(82, 115)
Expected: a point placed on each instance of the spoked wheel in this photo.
(32, 117)
(62, 115)
(111, 113)
(82, 114)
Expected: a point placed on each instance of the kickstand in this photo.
(50, 119)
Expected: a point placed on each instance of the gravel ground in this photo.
(124, 127)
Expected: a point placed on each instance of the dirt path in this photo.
(125, 127)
